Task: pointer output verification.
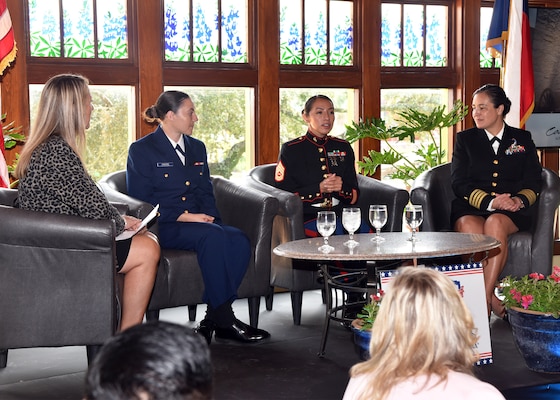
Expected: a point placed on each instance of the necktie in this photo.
(495, 143)
(181, 153)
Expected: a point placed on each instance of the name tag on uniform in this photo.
(164, 164)
(198, 163)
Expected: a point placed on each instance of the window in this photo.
(414, 35)
(89, 29)
(394, 101)
(316, 32)
(206, 31)
(292, 102)
(486, 59)
(111, 127)
(225, 125)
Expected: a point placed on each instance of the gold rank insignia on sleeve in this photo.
(279, 172)
(530, 195)
(476, 197)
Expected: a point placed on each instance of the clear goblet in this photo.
(351, 220)
(326, 225)
(378, 219)
(413, 216)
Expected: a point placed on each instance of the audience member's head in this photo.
(423, 328)
(152, 361)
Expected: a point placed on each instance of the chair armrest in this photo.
(8, 196)
(290, 206)
(421, 195)
(373, 191)
(250, 210)
(547, 207)
(43, 254)
(136, 208)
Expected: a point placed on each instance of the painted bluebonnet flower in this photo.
(343, 37)
(203, 31)
(170, 30)
(233, 39)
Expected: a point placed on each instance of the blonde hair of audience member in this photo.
(423, 328)
(58, 114)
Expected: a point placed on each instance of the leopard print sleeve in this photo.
(57, 181)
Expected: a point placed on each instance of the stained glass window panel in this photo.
(44, 28)
(341, 32)
(316, 32)
(177, 31)
(390, 35)
(234, 32)
(112, 29)
(290, 32)
(413, 49)
(78, 29)
(436, 36)
(205, 31)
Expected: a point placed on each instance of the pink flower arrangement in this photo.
(534, 292)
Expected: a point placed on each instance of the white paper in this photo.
(129, 233)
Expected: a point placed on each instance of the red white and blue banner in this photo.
(510, 28)
(469, 280)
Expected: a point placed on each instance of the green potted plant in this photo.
(533, 306)
(411, 123)
(361, 326)
(12, 136)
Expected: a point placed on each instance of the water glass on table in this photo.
(378, 219)
(351, 220)
(326, 225)
(414, 216)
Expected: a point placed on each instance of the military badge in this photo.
(515, 148)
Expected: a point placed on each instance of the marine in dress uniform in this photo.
(302, 165)
(478, 174)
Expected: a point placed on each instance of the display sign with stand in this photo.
(469, 280)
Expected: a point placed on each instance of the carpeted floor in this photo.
(285, 367)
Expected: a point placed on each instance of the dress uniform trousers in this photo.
(223, 254)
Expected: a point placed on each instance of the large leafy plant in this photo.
(410, 123)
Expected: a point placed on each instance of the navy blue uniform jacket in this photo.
(155, 174)
(478, 174)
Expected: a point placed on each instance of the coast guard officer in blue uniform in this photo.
(169, 167)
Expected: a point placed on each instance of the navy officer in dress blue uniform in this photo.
(496, 178)
(318, 167)
(169, 167)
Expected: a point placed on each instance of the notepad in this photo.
(129, 233)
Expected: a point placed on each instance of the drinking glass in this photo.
(378, 219)
(326, 225)
(351, 220)
(413, 216)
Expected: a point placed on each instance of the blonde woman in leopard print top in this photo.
(53, 179)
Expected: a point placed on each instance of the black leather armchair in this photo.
(529, 251)
(288, 226)
(179, 281)
(57, 280)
